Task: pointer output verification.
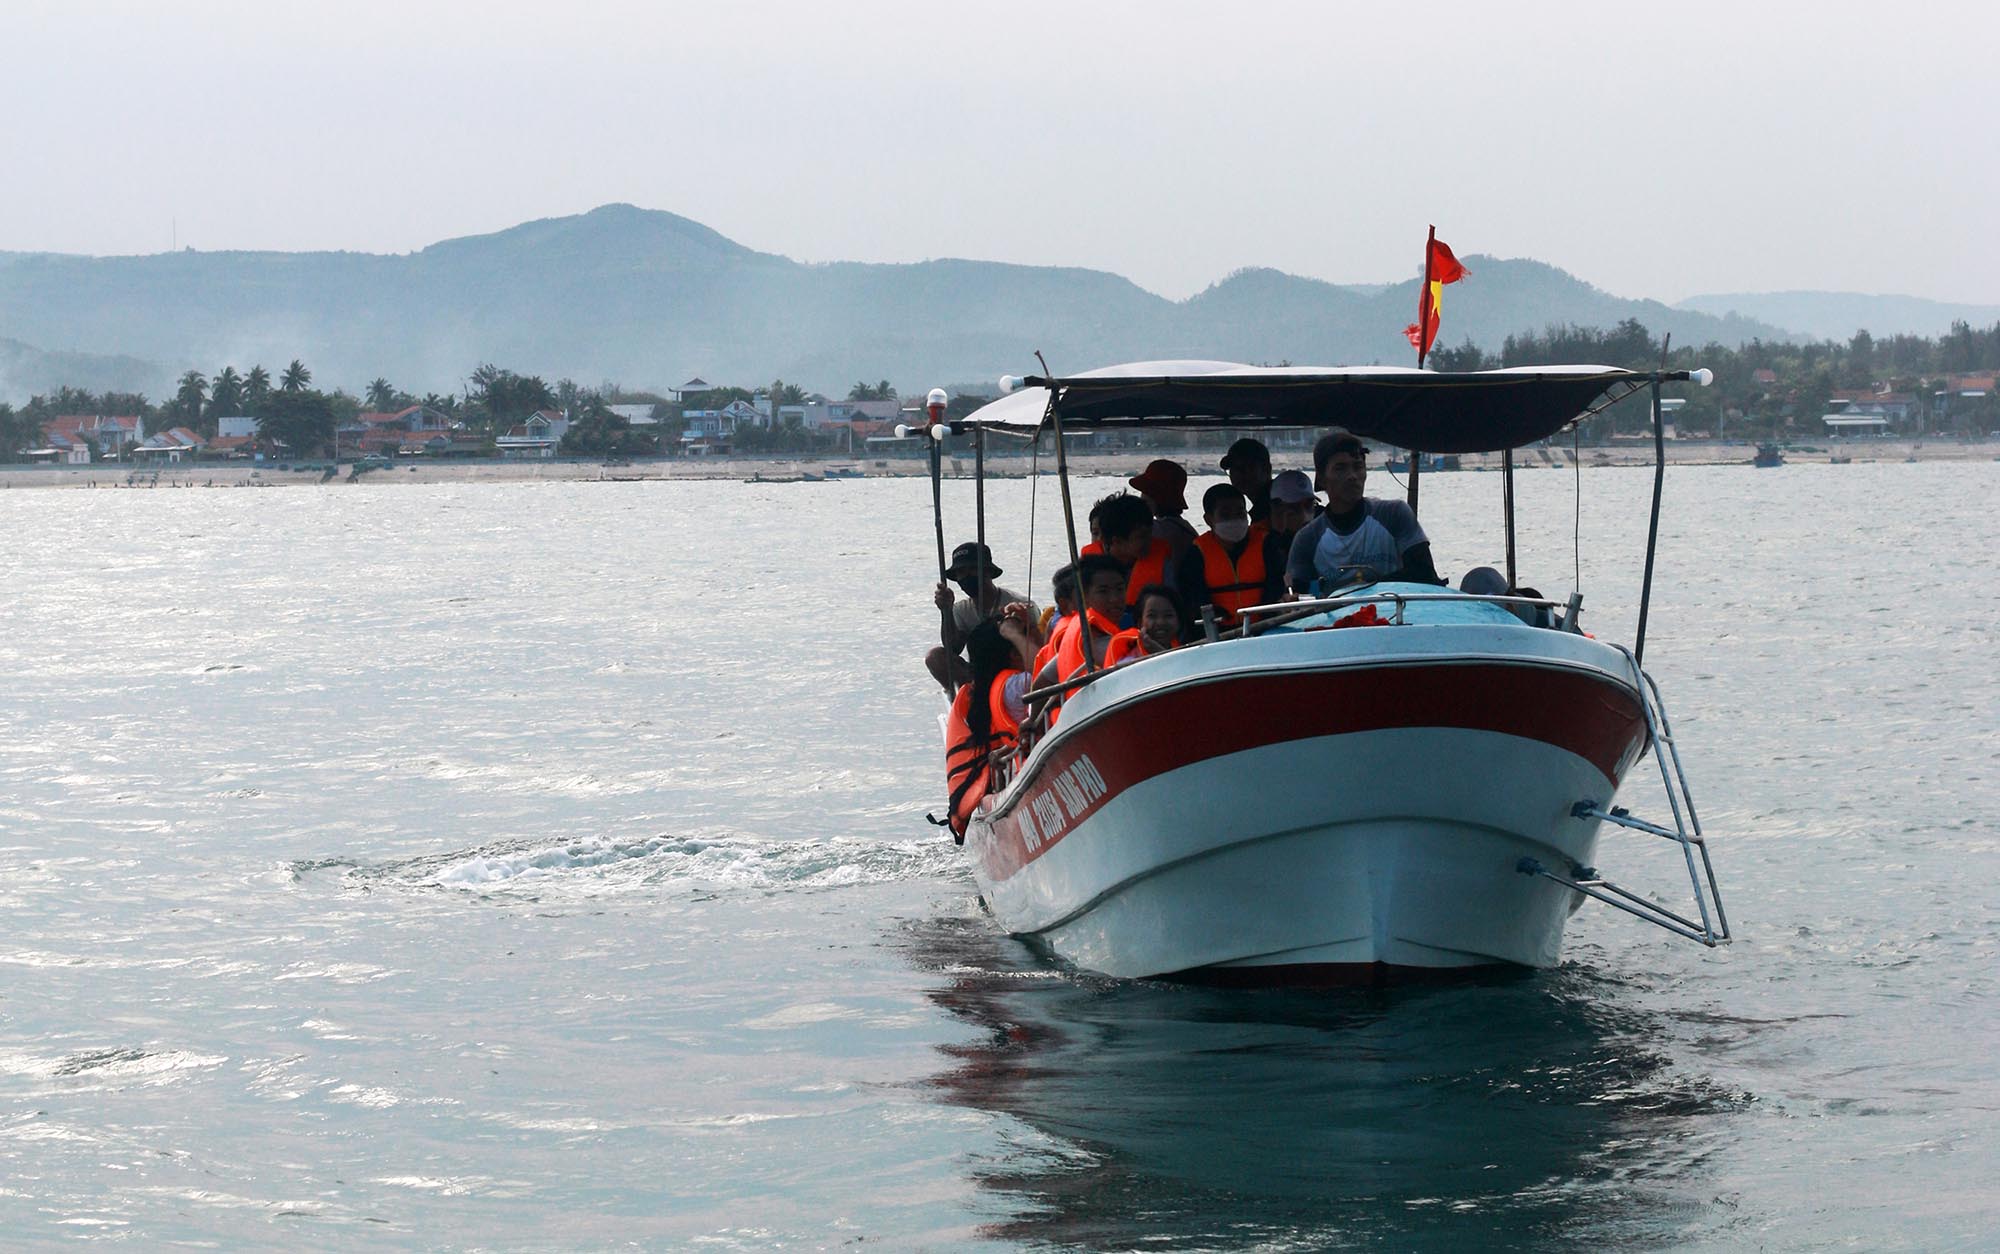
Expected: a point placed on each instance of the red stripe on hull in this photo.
(1589, 716)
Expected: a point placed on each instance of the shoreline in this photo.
(803, 469)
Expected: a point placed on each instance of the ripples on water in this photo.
(544, 865)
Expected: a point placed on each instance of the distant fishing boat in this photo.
(1767, 456)
(1428, 463)
(1391, 781)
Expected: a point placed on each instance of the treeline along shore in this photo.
(782, 468)
(1896, 399)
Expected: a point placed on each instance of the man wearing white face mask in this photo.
(1230, 565)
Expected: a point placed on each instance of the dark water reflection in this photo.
(1521, 1113)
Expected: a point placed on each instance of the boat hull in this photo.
(1336, 807)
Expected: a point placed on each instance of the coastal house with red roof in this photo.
(230, 446)
(73, 434)
(65, 448)
(417, 429)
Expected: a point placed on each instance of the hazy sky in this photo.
(1661, 150)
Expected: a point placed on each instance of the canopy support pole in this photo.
(1416, 468)
(937, 502)
(1507, 497)
(1069, 530)
(979, 509)
(1653, 526)
(937, 517)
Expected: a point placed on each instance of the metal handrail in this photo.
(1285, 611)
(1282, 612)
(1686, 831)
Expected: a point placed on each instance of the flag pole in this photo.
(1424, 314)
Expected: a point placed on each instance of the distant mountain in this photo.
(1838, 315)
(1261, 315)
(26, 370)
(649, 299)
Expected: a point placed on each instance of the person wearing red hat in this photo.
(1164, 485)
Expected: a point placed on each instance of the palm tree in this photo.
(381, 397)
(190, 397)
(225, 396)
(257, 390)
(295, 378)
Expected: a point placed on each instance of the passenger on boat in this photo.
(1233, 564)
(1293, 505)
(957, 616)
(1096, 522)
(1062, 599)
(1163, 484)
(1127, 524)
(988, 710)
(1248, 465)
(1059, 618)
(1159, 629)
(1487, 582)
(1358, 539)
(1102, 579)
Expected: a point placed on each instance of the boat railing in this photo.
(1043, 703)
(1259, 618)
(1048, 699)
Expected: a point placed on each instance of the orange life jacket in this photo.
(1148, 570)
(1053, 645)
(1127, 646)
(966, 761)
(1069, 655)
(1233, 585)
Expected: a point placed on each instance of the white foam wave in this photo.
(599, 864)
(112, 1063)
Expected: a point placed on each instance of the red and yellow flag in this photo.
(1440, 268)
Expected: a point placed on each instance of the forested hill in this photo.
(1838, 315)
(650, 298)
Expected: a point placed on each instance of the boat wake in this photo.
(604, 865)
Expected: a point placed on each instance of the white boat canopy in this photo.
(1426, 410)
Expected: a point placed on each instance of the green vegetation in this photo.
(1790, 400)
(1765, 390)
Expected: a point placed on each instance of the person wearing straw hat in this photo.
(957, 616)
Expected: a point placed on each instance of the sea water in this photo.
(544, 866)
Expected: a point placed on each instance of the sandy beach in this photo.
(1199, 461)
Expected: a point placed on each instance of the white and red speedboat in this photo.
(1301, 800)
